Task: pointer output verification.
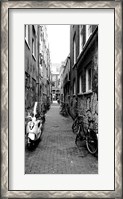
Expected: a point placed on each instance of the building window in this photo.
(74, 87)
(33, 46)
(53, 83)
(33, 41)
(80, 38)
(74, 49)
(88, 79)
(41, 71)
(27, 33)
(80, 84)
(88, 31)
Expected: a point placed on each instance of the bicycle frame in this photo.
(90, 137)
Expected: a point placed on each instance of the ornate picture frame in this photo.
(5, 107)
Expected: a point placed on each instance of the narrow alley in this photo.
(57, 153)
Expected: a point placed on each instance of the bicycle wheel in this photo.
(92, 143)
(77, 136)
(75, 126)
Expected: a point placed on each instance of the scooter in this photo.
(34, 131)
(34, 128)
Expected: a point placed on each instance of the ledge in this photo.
(74, 65)
(27, 44)
(44, 93)
(85, 93)
(79, 94)
(34, 57)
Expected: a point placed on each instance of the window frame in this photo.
(33, 42)
(33, 46)
(88, 79)
(80, 38)
(74, 87)
(88, 32)
(80, 84)
(74, 49)
(27, 35)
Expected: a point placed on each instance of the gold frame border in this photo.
(5, 5)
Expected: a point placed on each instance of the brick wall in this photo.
(30, 74)
(73, 70)
(86, 100)
(89, 101)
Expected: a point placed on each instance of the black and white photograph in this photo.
(61, 98)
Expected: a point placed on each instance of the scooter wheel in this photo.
(40, 138)
(29, 145)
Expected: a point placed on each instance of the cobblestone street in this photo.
(57, 153)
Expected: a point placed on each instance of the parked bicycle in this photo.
(76, 122)
(64, 109)
(87, 132)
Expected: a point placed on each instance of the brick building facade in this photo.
(74, 51)
(31, 66)
(37, 67)
(61, 82)
(44, 67)
(84, 70)
(66, 80)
